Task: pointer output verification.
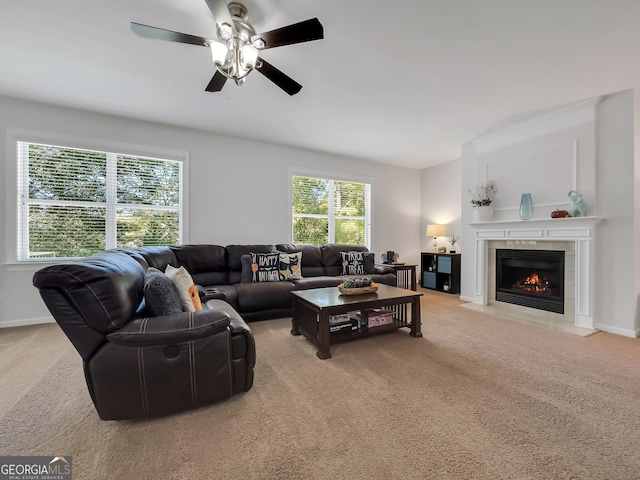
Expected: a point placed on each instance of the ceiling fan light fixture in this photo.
(219, 53)
(248, 56)
(234, 51)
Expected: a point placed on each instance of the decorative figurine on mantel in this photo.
(577, 205)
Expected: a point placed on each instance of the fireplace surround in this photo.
(575, 236)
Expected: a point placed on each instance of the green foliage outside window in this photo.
(310, 196)
(350, 232)
(318, 204)
(67, 174)
(310, 230)
(147, 181)
(68, 204)
(146, 227)
(65, 231)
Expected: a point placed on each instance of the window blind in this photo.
(330, 211)
(75, 202)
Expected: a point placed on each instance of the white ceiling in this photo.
(401, 82)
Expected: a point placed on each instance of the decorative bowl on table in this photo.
(357, 291)
(357, 286)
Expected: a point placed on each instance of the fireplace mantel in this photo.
(546, 229)
(581, 230)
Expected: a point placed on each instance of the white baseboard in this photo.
(625, 332)
(468, 299)
(26, 321)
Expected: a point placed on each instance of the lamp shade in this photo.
(218, 53)
(436, 230)
(248, 56)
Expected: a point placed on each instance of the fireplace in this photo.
(575, 236)
(531, 278)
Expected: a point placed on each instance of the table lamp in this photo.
(436, 231)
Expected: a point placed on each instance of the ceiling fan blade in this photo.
(297, 33)
(169, 35)
(285, 82)
(216, 83)
(222, 16)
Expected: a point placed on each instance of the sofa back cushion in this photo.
(332, 257)
(234, 255)
(157, 257)
(207, 264)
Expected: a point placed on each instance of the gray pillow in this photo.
(246, 276)
(369, 263)
(160, 294)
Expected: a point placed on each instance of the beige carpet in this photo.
(479, 397)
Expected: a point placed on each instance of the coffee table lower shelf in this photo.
(313, 308)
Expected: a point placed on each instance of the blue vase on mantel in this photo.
(526, 206)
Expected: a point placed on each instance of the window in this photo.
(330, 211)
(75, 202)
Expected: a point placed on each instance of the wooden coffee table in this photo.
(312, 309)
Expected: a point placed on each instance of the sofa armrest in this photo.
(207, 294)
(175, 328)
(240, 328)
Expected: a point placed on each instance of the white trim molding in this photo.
(580, 230)
(26, 321)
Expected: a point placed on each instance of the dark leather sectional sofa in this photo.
(218, 269)
(137, 365)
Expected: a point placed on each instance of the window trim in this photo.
(339, 177)
(15, 135)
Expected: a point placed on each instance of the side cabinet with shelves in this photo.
(440, 271)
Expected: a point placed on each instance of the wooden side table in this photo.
(405, 274)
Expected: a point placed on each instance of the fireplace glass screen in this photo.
(531, 278)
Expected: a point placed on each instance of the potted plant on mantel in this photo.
(481, 198)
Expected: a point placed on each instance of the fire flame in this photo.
(535, 283)
(532, 279)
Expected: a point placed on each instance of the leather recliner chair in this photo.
(136, 365)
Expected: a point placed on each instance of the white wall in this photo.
(441, 201)
(636, 203)
(587, 147)
(616, 307)
(226, 175)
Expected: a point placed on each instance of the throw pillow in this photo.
(265, 267)
(369, 263)
(246, 276)
(358, 263)
(187, 291)
(290, 266)
(160, 293)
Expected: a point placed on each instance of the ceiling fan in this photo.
(235, 51)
